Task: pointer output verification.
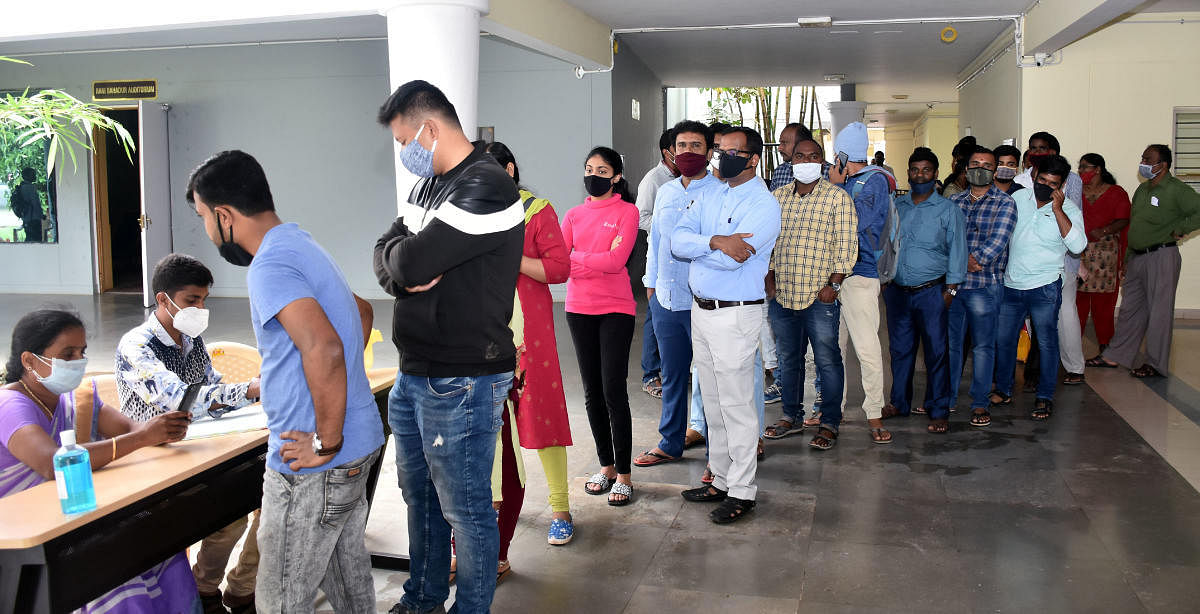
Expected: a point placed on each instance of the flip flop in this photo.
(651, 458)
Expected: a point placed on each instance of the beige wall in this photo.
(1115, 93)
(536, 23)
(937, 129)
(899, 139)
(990, 105)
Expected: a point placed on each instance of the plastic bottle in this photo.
(73, 475)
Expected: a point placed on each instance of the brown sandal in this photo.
(824, 440)
(938, 427)
(881, 436)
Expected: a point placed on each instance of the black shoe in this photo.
(704, 494)
(211, 604)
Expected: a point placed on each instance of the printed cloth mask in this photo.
(690, 163)
(1042, 192)
(806, 172)
(1146, 170)
(921, 188)
(1005, 173)
(979, 176)
(417, 159)
(191, 321)
(65, 375)
(732, 165)
(596, 185)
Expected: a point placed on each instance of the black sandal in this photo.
(1042, 409)
(981, 417)
(731, 510)
(1099, 362)
(1073, 379)
(996, 394)
(1145, 371)
(824, 440)
(704, 494)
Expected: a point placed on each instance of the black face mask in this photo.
(732, 165)
(980, 176)
(597, 185)
(232, 252)
(1043, 192)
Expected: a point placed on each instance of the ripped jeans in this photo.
(445, 430)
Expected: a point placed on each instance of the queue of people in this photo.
(743, 278)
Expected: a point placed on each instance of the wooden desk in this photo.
(151, 504)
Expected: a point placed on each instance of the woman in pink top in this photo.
(599, 236)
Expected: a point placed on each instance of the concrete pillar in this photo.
(843, 113)
(438, 41)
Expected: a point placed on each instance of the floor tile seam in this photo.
(1161, 454)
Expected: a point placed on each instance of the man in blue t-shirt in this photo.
(325, 431)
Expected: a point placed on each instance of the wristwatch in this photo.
(837, 287)
(952, 291)
(320, 448)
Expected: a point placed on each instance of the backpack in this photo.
(887, 250)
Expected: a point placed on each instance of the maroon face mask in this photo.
(1037, 160)
(690, 164)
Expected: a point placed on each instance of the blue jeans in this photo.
(911, 315)
(1041, 305)
(974, 311)
(673, 329)
(794, 331)
(445, 430)
(651, 360)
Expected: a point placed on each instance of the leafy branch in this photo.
(65, 121)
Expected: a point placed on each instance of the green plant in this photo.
(725, 105)
(64, 121)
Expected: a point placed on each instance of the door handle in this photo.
(144, 221)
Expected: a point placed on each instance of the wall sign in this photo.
(139, 89)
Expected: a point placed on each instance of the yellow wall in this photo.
(554, 22)
(937, 129)
(899, 140)
(1114, 94)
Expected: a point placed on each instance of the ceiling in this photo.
(884, 59)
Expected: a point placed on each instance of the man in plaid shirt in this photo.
(991, 217)
(816, 249)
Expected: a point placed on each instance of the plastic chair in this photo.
(106, 387)
(236, 362)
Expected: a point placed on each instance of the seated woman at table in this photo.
(37, 403)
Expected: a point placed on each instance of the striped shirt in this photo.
(990, 223)
(818, 238)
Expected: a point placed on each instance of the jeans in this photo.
(1041, 305)
(974, 311)
(913, 315)
(602, 350)
(651, 359)
(310, 535)
(794, 331)
(445, 432)
(673, 329)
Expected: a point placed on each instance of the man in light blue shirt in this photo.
(728, 239)
(666, 282)
(932, 261)
(1048, 226)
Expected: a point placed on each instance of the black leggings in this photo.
(602, 350)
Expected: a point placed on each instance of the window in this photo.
(1187, 146)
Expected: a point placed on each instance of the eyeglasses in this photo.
(741, 153)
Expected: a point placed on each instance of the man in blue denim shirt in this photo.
(729, 239)
(931, 263)
(991, 216)
(667, 289)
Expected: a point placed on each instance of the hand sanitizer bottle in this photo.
(73, 475)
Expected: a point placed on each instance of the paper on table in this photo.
(250, 418)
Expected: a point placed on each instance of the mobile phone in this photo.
(842, 160)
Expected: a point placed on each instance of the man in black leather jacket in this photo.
(451, 260)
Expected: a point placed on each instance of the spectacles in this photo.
(737, 152)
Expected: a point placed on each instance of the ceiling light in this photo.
(815, 22)
(889, 32)
(835, 77)
(893, 110)
(900, 96)
(843, 31)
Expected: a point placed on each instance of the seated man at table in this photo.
(37, 403)
(155, 363)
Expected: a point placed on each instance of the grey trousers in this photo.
(1147, 309)
(311, 535)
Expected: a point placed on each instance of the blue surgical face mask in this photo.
(417, 159)
(65, 375)
(1146, 170)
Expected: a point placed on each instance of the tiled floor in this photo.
(1094, 511)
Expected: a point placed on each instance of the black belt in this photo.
(929, 284)
(1153, 248)
(708, 304)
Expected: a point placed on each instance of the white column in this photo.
(438, 41)
(843, 113)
